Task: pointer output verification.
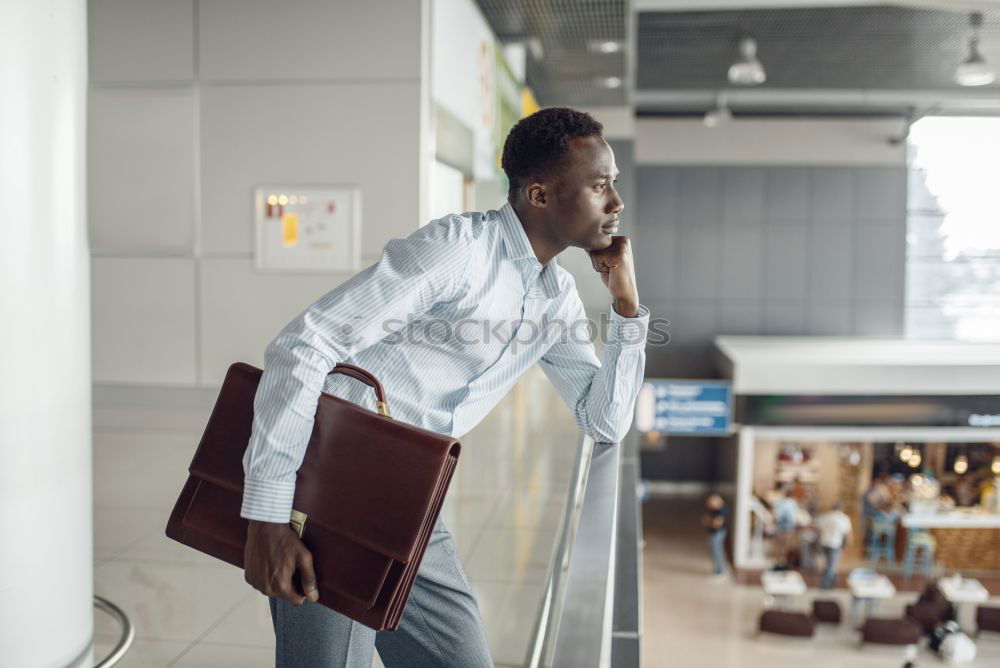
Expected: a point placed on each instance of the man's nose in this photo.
(617, 204)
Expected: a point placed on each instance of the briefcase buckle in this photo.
(298, 522)
(383, 408)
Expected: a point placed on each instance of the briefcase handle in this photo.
(365, 377)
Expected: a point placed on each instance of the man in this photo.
(874, 500)
(717, 523)
(490, 283)
(834, 534)
(786, 518)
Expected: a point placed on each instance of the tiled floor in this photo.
(189, 611)
(692, 622)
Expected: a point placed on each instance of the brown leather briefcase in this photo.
(367, 495)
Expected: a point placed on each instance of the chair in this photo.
(881, 631)
(919, 546)
(987, 619)
(827, 612)
(929, 614)
(783, 622)
(883, 539)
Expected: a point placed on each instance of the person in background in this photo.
(786, 512)
(717, 523)
(834, 534)
(897, 494)
(798, 492)
(873, 501)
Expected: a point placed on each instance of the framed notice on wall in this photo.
(308, 229)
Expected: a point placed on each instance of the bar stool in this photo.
(919, 546)
(883, 539)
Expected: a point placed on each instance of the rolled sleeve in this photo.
(629, 333)
(600, 392)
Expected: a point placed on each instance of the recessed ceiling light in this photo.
(536, 48)
(747, 70)
(605, 45)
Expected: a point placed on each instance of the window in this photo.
(953, 229)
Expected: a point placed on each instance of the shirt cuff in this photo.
(629, 333)
(267, 500)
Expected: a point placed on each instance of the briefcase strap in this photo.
(358, 373)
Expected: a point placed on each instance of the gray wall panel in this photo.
(743, 196)
(742, 317)
(768, 250)
(785, 317)
(700, 246)
(699, 189)
(654, 210)
(787, 195)
(833, 194)
(831, 261)
(878, 259)
(830, 317)
(881, 193)
(785, 253)
(742, 261)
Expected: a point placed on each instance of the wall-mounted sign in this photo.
(685, 407)
(302, 229)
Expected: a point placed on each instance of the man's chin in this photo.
(602, 241)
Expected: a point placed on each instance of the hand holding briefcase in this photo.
(367, 495)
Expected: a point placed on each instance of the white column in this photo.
(744, 494)
(46, 569)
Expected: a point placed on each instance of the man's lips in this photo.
(610, 227)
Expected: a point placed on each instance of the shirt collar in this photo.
(519, 249)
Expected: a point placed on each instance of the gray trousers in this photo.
(441, 625)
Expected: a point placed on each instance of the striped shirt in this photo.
(447, 320)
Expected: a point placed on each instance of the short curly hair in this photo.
(538, 144)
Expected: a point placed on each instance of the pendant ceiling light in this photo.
(747, 70)
(718, 116)
(974, 70)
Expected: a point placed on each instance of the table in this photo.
(959, 518)
(780, 586)
(964, 593)
(967, 538)
(869, 588)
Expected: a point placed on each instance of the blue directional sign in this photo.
(685, 407)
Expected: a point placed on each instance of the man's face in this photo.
(585, 204)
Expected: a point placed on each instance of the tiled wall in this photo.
(768, 250)
(194, 104)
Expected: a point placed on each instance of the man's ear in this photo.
(536, 195)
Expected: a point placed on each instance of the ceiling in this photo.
(567, 70)
(851, 59)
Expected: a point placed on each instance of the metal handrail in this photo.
(574, 625)
(127, 636)
(546, 625)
